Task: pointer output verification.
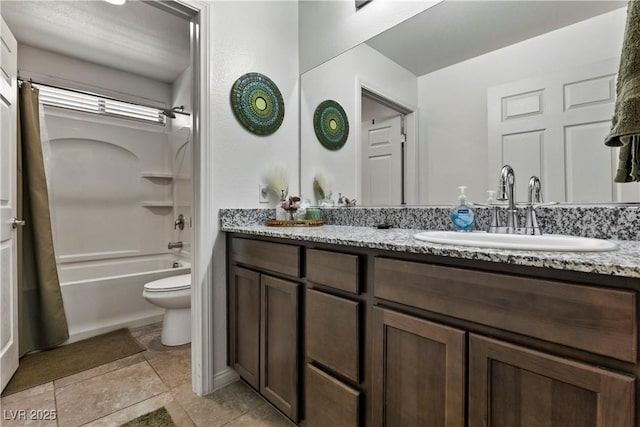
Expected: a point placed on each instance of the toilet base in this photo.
(176, 327)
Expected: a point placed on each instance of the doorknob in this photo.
(15, 222)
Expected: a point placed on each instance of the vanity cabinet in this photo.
(420, 365)
(342, 336)
(264, 320)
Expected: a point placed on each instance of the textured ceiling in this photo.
(454, 31)
(136, 37)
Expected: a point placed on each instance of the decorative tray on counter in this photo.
(294, 222)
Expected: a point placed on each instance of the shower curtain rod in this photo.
(166, 111)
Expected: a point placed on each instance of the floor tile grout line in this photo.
(122, 409)
(97, 375)
(175, 399)
(160, 376)
(55, 403)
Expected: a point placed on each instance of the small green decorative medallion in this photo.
(331, 125)
(257, 103)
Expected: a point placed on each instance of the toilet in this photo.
(174, 295)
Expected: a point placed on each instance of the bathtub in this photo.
(103, 295)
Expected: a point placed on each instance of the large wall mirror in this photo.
(450, 95)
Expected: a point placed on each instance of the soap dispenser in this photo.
(462, 216)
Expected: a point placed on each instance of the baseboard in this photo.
(224, 378)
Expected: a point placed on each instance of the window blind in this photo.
(96, 104)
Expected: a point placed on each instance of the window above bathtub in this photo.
(92, 103)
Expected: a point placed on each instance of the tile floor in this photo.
(117, 392)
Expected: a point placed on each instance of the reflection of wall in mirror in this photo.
(453, 100)
(328, 28)
(340, 80)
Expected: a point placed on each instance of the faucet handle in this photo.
(179, 222)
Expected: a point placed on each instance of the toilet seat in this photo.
(169, 284)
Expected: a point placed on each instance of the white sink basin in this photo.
(545, 242)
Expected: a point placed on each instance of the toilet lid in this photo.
(173, 283)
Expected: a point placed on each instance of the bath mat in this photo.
(45, 366)
(158, 418)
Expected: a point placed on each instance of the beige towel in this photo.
(625, 125)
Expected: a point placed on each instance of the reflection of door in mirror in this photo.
(382, 162)
(383, 153)
(553, 127)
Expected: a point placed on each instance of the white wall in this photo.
(340, 80)
(453, 100)
(328, 28)
(53, 68)
(247, 37)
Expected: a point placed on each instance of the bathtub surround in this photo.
(42, 321)
(620, 222)
(104, 295)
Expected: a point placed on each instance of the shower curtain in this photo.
(41, 319)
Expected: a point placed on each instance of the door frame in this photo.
(202, 369)
(410, 112)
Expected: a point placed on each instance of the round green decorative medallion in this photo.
(257, 103)
(331, 124)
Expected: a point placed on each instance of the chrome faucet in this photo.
(507, 192)
(174, 245)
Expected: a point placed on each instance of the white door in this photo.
(382, 171)
(554, 127)
(8, 240)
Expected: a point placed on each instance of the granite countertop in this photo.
(623, 262)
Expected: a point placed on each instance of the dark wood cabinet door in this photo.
(244, 324)
(512, 386)
(418, 372)
(279, 344)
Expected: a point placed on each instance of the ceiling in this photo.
(145, 40)
(453, 31)
(135, 37)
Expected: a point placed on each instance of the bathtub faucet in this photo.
(175, 245)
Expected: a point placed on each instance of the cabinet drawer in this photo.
(332, 333)
(271, 256)
(329, 402)
(601, 321)
(333, 269)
